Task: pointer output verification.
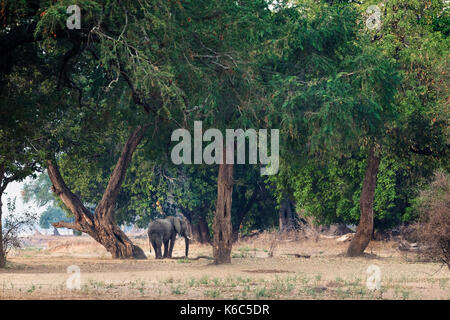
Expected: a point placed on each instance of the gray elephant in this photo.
(164, 231)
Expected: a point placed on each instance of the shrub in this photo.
(434, 222)
(13, 225)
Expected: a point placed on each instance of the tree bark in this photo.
(286, 216)
(2, 188)
(202, 230)
(2, 250)
(222, 219)
(101, 225)
(242, 213)
(365, 227)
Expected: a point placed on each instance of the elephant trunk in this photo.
(186, 241)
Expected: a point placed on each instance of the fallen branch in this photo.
(297, 255)
(196, 258)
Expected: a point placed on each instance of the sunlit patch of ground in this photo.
(40, 271)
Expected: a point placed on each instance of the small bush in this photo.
(434, 223)
(13, 225)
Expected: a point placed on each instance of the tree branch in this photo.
(83, 217)
(68, 225)
(426, 151)
(4, 180)
(136, 96)
(76, 49)
(106, 205)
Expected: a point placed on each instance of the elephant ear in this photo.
(177, 224)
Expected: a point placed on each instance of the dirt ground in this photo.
(40, 271)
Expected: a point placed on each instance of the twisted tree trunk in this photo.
(101, 225)
(365, 227)
(222, 219)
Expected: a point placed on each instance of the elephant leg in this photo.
(155, 248)
(166, 245)
(159, 253)
(171, 244)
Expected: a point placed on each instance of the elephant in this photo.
(164, 231)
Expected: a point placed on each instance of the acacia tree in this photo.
(34, 25)
(350, 91)
(228, 46)
(127, 44)
(339, 98)
(101, 225)
(409, 29)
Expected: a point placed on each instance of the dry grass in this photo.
(40, 272)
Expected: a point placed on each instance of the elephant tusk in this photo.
(189, 238)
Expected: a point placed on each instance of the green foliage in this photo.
(13, 225)
(335, 87)
(310, 68)
(51, 215)
(329, 191)
(333, 110)
(38, 191)
(434, 224)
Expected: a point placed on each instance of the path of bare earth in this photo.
(39, 271)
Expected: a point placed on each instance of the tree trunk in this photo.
(101, 225)
(242, 213)
(237, 228)
(365, 227)
(222, 219)
(200, 230)
(3, 185)
(286, 216)
(2, 250)
(203, 230)
(55, 232)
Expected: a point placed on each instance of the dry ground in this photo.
(39, 271)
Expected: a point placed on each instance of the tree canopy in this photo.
(361, 105)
